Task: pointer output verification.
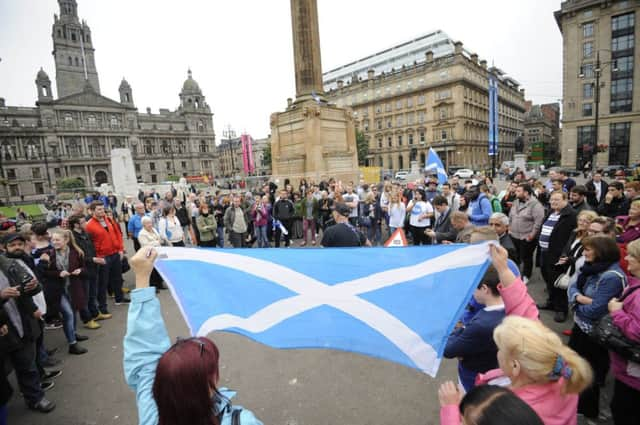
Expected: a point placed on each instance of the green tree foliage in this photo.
(70, 183)
(363, 147)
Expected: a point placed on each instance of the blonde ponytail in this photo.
(68, 235)
(541, 353)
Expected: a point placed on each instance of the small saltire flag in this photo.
(398, 304)
(434, 163)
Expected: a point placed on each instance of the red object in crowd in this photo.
(107, 241)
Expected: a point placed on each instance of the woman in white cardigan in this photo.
(149, 237)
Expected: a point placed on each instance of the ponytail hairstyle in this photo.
(68, 235)
(542, 356)
(494, 405)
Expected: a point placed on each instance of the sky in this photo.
(241, 53)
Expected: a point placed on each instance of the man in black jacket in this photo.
(442, 230)
(614, 203)
(283, 211)
(596, 189)
(22, 330)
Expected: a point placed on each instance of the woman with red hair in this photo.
(174, 384)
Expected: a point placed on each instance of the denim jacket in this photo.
(145, 342)
(600, 288)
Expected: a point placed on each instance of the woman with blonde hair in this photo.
(397, 212)
(65, 266)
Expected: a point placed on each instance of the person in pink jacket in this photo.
(626, 316)
(534, 362)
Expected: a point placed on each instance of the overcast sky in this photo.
(241, 53)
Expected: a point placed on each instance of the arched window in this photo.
(180, 147)
(203, 146)
(400, 162)
(148, 147)
(77, 62)
(70, 61)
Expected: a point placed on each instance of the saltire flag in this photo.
(434, 163)
(399, 305)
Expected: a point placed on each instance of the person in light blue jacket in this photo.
(480, 208)
(174, 384)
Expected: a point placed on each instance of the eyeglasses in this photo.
(197, 340)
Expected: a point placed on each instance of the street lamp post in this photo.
(230, 134)
(597, 71)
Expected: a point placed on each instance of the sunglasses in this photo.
(180, 341)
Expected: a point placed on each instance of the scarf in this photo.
(590, 269)
(62, 263)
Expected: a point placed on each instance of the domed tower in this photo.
(43, 84)
(126, 94)
(191, 97)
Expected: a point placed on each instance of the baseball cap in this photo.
(12, 237)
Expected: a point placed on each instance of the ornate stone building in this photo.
(427, 92)
(541, 133)
(229, 158)
(599, 44)
(71, 136)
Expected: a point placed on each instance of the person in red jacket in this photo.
(107, 239)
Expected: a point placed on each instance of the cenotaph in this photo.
(123, 173)
(311, 139)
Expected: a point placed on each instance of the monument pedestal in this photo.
(314, 141)
(519, 161)
(123, 173)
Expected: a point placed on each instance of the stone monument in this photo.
(519, 158)
(123, 173)
(311, 139)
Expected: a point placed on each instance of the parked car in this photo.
(464, 173)
(401, 175)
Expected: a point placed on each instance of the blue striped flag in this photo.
(399, 304)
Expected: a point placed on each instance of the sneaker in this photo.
(76, 349)
(46, 386)
(81, 337)
(92, 324)
(53, 325)
(43, 406)
(103, 316)
(50, 375)
(124, 300)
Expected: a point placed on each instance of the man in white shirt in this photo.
(351, 199)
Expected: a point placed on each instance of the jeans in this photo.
(261, 235)
(110, 275)
(374, 233)
(467, 377)
(220, 231)
(68, 319)
(91, 289)
(24, 363)
(308, 224)
(237, 239)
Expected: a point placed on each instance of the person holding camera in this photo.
(20, 330)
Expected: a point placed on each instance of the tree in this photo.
(266, 156)
(363, 147)
(70, 183)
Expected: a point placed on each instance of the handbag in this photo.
(607, 334)
(125, 265)
(562, 282)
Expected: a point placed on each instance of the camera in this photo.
(16, 273)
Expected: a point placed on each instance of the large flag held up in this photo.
(398, 304)
(434, 163)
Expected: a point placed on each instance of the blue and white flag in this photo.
(398, 304)
(434, 163)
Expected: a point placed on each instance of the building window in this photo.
(114, 122)
(152, 166)
(154, 178)
(587, 109)
(183, 164)
(398, 104)
(621, 22)
(399, 139)
(399, 120)
(68, 120)
(39, 188)
(587, 29)
(388, 107)
(148, 147)
(35, 172)
(77, 61)
(410, 118)
(379, 142)
(389, 123)
(409, 102)
(422, 138)
(623, 42)
(137, 166)
(587, 90)
(443, 113)
(203, 146)
(619, 136)
(11, 174)
(70, 61)
(91, 121)
(389, 141)
(410, 138)
(201, 126)
(73, 37)
(443, 94)
(587, 49)
(168, 165)
(421, 99)
(421, 117)
(621, 95)
(378, 109)
(587, 70)
(56, 173)
(13, 190)
(586, 138)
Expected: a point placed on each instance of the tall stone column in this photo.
(306, 49)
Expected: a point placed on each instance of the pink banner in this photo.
(247, 153)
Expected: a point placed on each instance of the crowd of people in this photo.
(583, 238)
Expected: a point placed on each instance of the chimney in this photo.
(340, 84)
(370, 74)
(429, 56)
(148, 110)
(474, 57)
(457, 47)
(289, 102)
(483, 64)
